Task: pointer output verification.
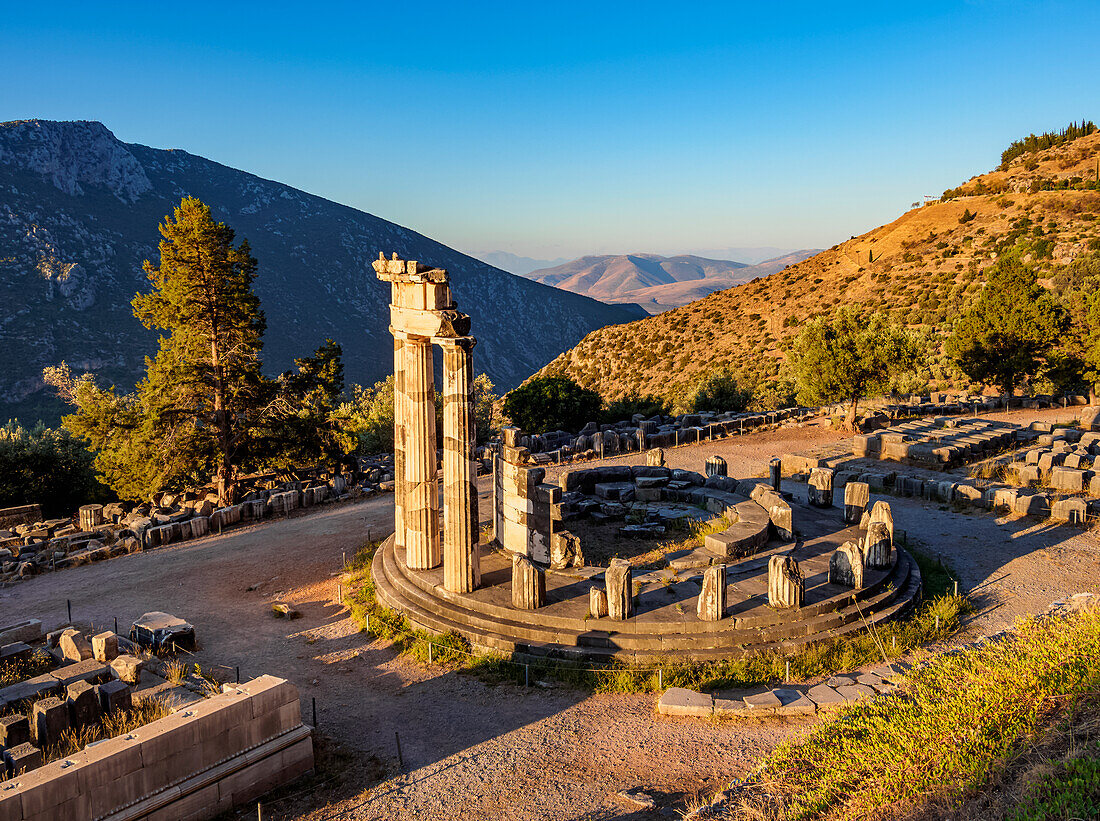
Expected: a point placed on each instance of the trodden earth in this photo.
(476, 750)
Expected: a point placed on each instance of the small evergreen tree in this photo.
(718, 392)
(50, 467)
(846, 357)
(1011, 327)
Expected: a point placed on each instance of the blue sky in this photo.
(560, 129)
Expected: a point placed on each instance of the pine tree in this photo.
(1010, 329)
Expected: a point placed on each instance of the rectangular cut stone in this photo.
(678, 701)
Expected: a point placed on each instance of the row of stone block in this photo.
(142, 765)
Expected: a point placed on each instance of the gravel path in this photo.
(474, 750)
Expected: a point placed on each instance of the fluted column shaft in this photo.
(421, 510)
(461, 566)
(399, 424)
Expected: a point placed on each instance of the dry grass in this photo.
(124, 721)
(958, 743)
(175, 671)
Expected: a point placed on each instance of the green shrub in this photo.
(551, 403)
(51, 467)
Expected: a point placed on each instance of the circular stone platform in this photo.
(665, 621)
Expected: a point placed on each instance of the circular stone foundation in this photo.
(664, 622)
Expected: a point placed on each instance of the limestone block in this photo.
(786, 584)
(1074, 511)
(775, 473)
(619, 582)
(83, 704)
(821, 487)
(23, 758)
(712, 598)
(881, 513)
(857, 495)
(597, 602)
(1067, 480)
(846, 566)
(113, 696)
(528, 584)
(716, 466)
(877, 546)
(105, 646)
(655, 458)
(678, 701)
(49, 720)
(14, 730)
(128, 668)
(565, 551)
(1035, 504)
(74, 646)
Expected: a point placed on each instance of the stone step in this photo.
(396, 591)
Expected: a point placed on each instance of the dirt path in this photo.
(473, 750)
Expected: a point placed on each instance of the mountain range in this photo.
(79, 211)
(922, 270)
(654, 282)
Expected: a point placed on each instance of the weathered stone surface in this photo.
(113, 696)
(128, 668)
(765, 702)
(881, 513)
(49, 720)
(712, 598)
(821, 487)
(23, 758)
(80, 698)
(786, 585)
(716, 466)
(678, 701)
(857, 495)
(655, 458)
(1074, 511)
(619, 581)
(846, 566)
(877, 546)
(528, 584)
(565, 551)
(597, 602)
(74, 646)
(14, 730)
(1067, 480)
(105, 646)
(793, 702)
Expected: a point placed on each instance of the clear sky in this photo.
(559, 129)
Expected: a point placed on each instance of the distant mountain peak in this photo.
(72, 155)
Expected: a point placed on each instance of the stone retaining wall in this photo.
(22, 515)
(196, 763)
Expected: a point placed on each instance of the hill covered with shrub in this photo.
(922, 270)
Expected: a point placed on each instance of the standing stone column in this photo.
(421, 509)
(528, 584)
(619, 579)
(857, 495)
(461, 565)
(821, 487)
(846, 566)
(712, 598)
(877, 547)
(399, 424)
(881, 513)
(716, 466)
(775, 474)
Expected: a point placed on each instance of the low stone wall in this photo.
(196, 763)
(10, 517)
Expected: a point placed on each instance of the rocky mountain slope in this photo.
(656, 283)
(79, 212)
(923, 268)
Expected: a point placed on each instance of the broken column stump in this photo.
(877, 547)
(528, 584)
(597, 602)
(846, 566)
(619, 581)
(565, 551)
(105, 646)
(881, 513)
(90, 516)
(716, 466)
(655, 458)
(712, 598)
(821, 487)
(786, 585)
(857, 495)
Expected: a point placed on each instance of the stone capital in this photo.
(465, 342)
